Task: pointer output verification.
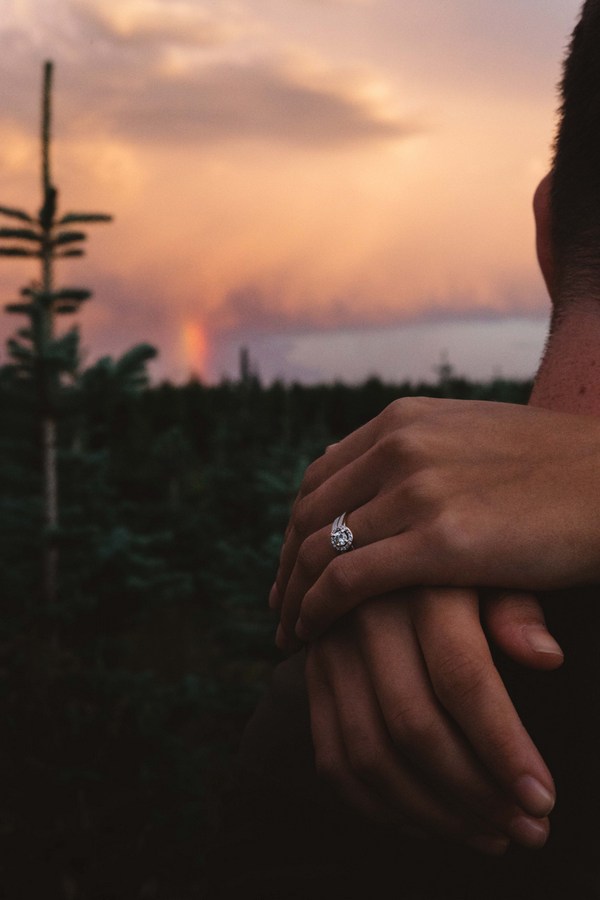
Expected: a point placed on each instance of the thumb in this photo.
(515, 623)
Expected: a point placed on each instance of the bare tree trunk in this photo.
(50, 501)
(48, 423)
(46, 126)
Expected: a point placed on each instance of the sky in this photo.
(342, 186)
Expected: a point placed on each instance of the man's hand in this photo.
(443, 492)
(412, 724)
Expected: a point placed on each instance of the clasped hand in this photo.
(408, 712)
(413, 726)
(444, 492)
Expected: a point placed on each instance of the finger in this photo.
(344, 477)
(275, 595)
(469, 687)
(344, 490)
(331, 762)
(381, 517)
(314, 555)
(436, 554)
(516, 623)
(372, 756)
(405, 560)
(315, 508)
(416, 721)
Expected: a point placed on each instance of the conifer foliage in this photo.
(134, 635)
(39, 355)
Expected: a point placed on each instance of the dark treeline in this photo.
(139, 534)
(122, 700)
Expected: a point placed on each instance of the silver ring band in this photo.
(341, 536)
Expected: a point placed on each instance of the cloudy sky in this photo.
(343, 186)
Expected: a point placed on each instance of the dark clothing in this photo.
(287, 837)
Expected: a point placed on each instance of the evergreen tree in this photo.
(41, 358)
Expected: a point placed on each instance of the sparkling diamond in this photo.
(341, 539)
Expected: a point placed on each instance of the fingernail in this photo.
(528, 832)
(536, 799)
(539, 640)
(492, 845)
(302, 631)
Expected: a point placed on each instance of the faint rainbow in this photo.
(194, 347)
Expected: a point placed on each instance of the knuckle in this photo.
(412, 723)
(413, 438)
(393, 413)
(455, 533)
(409, 447)
(424, 489)
(390, 448)
(460, 677)
(406, 408)
(400, 446)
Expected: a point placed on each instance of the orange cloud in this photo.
(286, 167)
(146, 21)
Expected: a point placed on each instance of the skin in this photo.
(409, 719)
(446, 493)
(359, 703)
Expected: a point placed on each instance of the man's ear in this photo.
(543, 232)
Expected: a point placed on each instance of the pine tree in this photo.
(41, 358)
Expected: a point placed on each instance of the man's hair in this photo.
(575, 196)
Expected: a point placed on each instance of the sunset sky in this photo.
(344, 186)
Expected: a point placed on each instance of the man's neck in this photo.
(568, 379)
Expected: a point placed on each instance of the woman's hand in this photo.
(444, 492)
(412, 724)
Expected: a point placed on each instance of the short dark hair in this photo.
(575, 195)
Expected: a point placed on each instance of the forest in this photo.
(122, 700)
(140, 527)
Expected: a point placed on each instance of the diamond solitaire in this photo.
(341, 536)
